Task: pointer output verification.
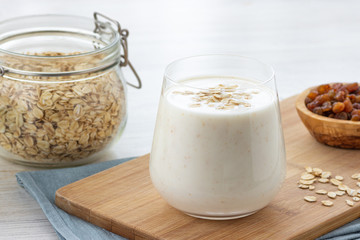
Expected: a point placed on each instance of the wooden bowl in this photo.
(329, 131)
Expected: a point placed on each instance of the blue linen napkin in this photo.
(42, 185)
(350, 231)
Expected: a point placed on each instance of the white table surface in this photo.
(307, 42)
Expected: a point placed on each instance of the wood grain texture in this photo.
(330, 131)
(123, 200)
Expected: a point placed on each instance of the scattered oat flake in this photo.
(302, 186)
(311, 187)
(317, 171)
(307, 176)
(323, 180)
(307, 182)
(335, 182)
(308, 169)
(325, 174)
(310, 198)
(331, 194)
(356, 199)
(340, 193)
(327, 203)
(351, 192)
(340, 178)
(355, 176)
(349, 202)
(342, 187)
(321, 191)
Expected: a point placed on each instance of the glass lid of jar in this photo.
(27, 42)
(28, 36)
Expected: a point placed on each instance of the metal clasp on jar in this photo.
(2, 71)
(124, 33)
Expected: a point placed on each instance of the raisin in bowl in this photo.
(331, 113)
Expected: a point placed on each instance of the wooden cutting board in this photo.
(123, 200)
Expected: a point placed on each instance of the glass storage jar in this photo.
(62, 91)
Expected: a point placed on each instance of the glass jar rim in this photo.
(89, 45)
(183, 83)
(95, 51)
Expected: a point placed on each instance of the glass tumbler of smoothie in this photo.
(218, 149)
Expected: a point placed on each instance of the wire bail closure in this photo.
(2, 71)
(124, 33)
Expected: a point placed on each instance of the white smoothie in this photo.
(218, 147)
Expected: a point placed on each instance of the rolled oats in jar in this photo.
(62, 92)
